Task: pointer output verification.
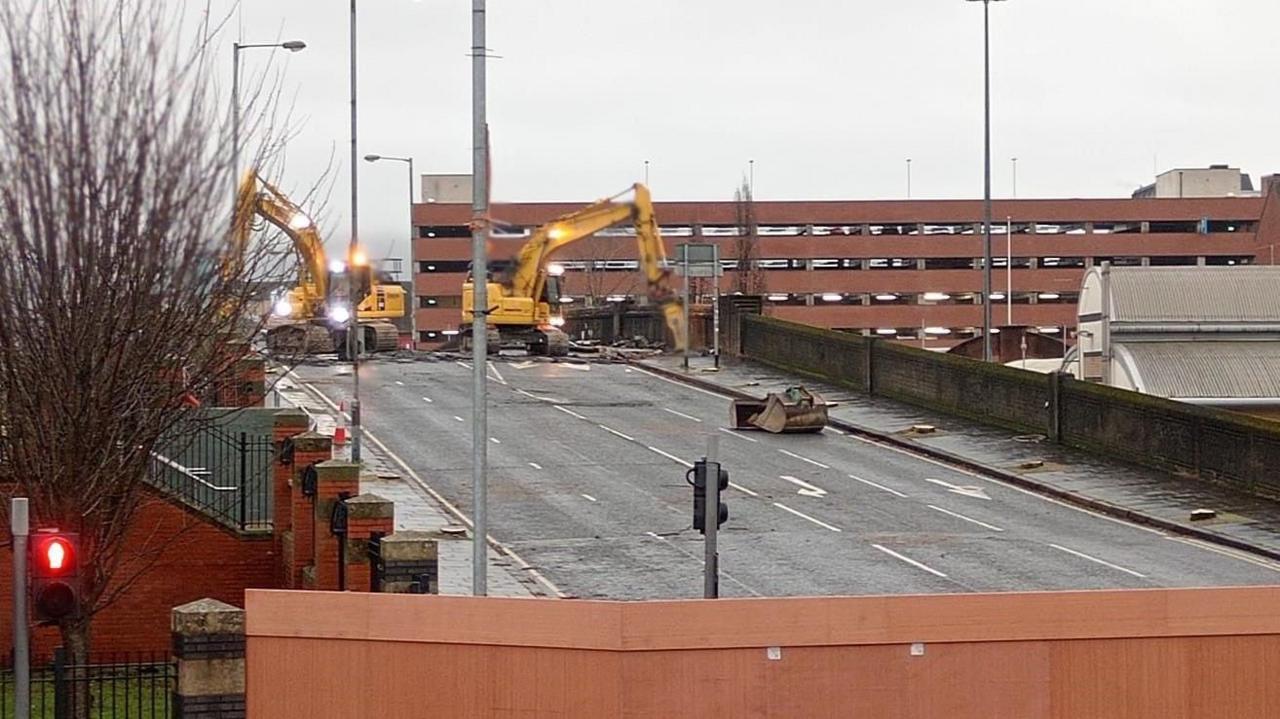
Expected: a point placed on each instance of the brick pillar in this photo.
(335, 479)
(249, 382)
(309, 448)
(406, 556)
(208, 642)
(367, 515)
(288, 423)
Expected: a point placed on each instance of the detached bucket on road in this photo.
(795, 410)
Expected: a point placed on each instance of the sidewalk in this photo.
(417, 510)
(1243, 520)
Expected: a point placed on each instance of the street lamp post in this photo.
(353, 323)
(908, 178)
(291, 46)
(413, 308)
(1014, 160)
(986, 180)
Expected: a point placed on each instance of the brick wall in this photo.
(1133, 427)
(200, 559)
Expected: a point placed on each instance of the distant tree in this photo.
(118, 285)
(749, 278)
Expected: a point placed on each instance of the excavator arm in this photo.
(530, 275)
(259, 197)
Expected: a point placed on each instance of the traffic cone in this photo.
(340, 434)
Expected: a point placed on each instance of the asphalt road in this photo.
(587, 467)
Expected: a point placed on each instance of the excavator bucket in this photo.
(795, 410)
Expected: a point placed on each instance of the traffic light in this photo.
(55, 575)
(699, 482)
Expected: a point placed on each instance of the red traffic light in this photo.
(54, 556)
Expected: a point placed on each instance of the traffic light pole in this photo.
(711, 513)
(20, 526)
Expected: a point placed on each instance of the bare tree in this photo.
(749, 278)
(118, 287)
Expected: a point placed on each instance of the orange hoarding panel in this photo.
(1157, 653)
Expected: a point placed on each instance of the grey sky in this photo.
(829, 97)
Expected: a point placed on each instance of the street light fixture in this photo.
(986, 193)
(291, 46)
(413, 311)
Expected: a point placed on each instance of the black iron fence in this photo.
(225, 475)
(112, 686)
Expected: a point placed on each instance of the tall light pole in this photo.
(480, 304)
(291, 46)
(986, 180)
(908, 178)
(353, 322)
(1014, 160)
(646, 173)
(413, 307)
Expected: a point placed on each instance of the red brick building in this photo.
(906, 269)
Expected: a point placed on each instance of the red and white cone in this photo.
(340, 431)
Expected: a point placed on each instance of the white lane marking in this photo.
(743, 489)
(802, 515)
(611, 430)
(1006, 485)
(449, 507)
(495, 440)
(1103, 562)
(496, 374)
(957, 515)
(535, 465)
(671, 457)
(460, 363)
(804, 459)
(833, 430)
(975, 492)
(400, 383)
(459, 418)
(428, 400)
(682, 385)
(569, 412)
(909, 560)
(522, 365)
(806, 489)
(580, 366)
(877, 486)
(527, 393)
(1227, 552)
(731, 433)
(681, 414)
(701, 561)
(589, 498)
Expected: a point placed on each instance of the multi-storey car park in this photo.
(905, 269)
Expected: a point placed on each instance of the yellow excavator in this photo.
(521, 298)
(312, 318)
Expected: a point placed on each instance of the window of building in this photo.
(1227, 260)
(1186, 226)
(1053, 297)
(1172, 261)
(1119, 261)
(784, 298)
(949, 263)
(1061, 262)
(444, 231)
(429, 336)
(1230, 226)
(1116, 228)
(443, 265)
(827, 264)
(891, 298)
(892, 263)
(775, 264)
(1001, 261)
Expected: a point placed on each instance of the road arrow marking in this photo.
(522, 365)
(970, 491)
(806, 489)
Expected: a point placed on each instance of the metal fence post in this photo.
(244, 476)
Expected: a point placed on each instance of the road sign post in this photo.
(700, 259)
(20, 527)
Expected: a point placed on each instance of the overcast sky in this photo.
(829, 97)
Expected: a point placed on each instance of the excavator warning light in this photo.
(557, 321)
(556, 232)
(283, 308)
(299, 221)
(359, 258)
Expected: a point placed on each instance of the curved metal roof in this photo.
(1243, 294)
(1204, 369)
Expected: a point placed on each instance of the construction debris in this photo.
(795, 410)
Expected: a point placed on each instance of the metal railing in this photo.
(112, 686)
(223, 475)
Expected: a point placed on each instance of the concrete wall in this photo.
(1174, 654)
(1155, 432)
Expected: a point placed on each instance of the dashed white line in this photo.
(1103, 562)
(428, 400)
(535, 465)
(744, 490)
(731, 433)
(589, 498)
(495, 440)
(569, 412)
(459, 418)
(909, 560)
(681, 414)
(833, 430)
(1234, 554)
(804, 459)
(802, 515)
(957, 515)
(400, 383)
(877, 486)
(671, 457)
(611, 430)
